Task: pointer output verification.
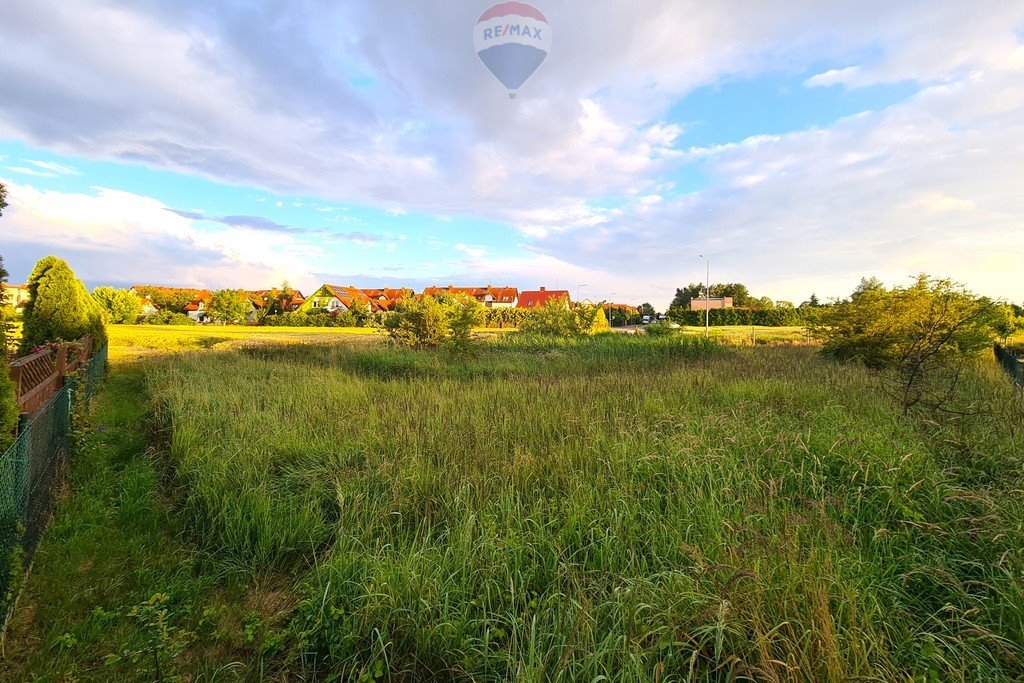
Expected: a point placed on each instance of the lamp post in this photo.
(611, 303)
(707, 299)
(578, 288)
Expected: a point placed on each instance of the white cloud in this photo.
(113, 236)
(23, 170)
(846, 76)
(472, 252)
(55, 168)
(923, 184)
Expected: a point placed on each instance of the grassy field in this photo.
(128, 341)
(620, 508)
(748, 334)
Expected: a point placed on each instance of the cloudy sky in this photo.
(799, 144)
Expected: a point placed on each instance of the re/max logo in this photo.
(512, 30)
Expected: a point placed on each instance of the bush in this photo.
(659, 330)
(59, 307)
(430, 321)
(922, 333)
(121, 306)
(167, 318)
(775, 317)
(300, 319)
(557, 318)
(500, 318)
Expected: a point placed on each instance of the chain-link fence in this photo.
(30, 471)
(1013, 366)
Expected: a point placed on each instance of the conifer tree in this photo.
(59, 307)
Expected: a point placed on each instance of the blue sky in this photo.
(800, 147)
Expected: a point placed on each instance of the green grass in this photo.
(134, 341)
(619, 507)
(751, 334)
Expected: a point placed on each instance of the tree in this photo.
(647, 309)
(919, 334)
(812, 302)
(59, 307)
(8, 394)
(3, 199)
(230, 306)
(737, 291)
(431, 321)
(279, 298)
(1008, 323)
(121, 306)
(683, 297)
(168, 298)
(867, 285)
(592, 318)
(5, 324)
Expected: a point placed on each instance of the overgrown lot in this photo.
(638, 509)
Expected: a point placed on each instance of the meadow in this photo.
(615, 508)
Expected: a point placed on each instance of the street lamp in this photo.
(611, 303)
(578, 288)
(707, 299)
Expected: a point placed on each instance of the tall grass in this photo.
(626, 508)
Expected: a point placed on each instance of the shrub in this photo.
(922, 333)
(659, 330)
(8, 396)
(775, 317)
(59, 307)
(317, 319)
(430, 321)
(121, 306)
(557, 318)
(167, 318)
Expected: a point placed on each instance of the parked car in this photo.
(646, 320)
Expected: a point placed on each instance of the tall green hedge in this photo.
(59, 307)
(778, 317)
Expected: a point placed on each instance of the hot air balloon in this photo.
(512, 39)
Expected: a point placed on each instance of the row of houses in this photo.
(329, 298)
(337, 299)
(334, 298)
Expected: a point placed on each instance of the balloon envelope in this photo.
(512, 39)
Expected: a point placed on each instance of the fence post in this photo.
(62, 359)
(15, 371)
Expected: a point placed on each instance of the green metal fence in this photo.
(1013, 365)
(30, 471)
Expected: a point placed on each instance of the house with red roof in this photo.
(196, 309)
(540, 297)
(338, 299)
(491, 297)
(267, 298)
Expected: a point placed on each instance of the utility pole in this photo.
(707, 299)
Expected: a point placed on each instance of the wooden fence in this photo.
(41, 375)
